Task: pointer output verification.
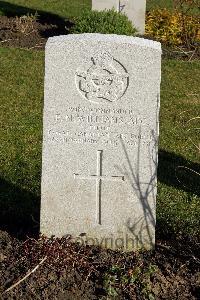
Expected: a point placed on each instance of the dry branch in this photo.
(26, 276)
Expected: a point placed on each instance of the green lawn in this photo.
(63, 8)
(21, 94)
(159, 3)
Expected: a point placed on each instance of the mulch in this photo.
(60, 269)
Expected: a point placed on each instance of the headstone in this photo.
(135, 11)
(100, 139)
(105, 4)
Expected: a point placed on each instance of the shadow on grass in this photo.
(19, 210)
(62, 26)
(176, 171)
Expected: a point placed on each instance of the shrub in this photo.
(107, 21)
(172, 27)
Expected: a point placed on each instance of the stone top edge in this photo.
(121, 39)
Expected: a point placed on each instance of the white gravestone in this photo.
(100, 139)
(105, 4)
(135, 11)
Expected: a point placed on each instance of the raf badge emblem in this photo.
(105, 81)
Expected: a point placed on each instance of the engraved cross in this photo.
(98, 178)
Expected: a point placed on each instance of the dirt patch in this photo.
(59, 269)
(30, 31)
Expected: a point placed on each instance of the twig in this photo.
(184, 52)
(188, 169)
(36, 222)
(26, 276)
(194, 52)
(4, 41)
(163, 246)
(36, 46)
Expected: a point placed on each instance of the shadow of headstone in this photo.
(19, 210)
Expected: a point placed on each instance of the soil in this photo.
(59, 269)
(30, 32)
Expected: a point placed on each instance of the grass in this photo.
(21, 93)
(178, 207)
(63, 8)
(159, 3)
